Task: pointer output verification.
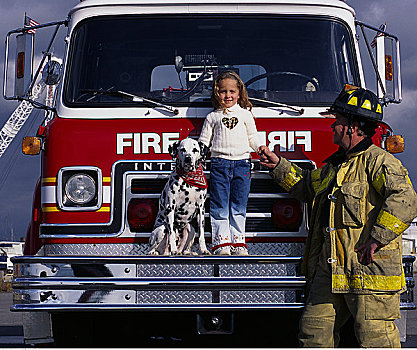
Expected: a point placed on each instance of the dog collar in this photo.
(194, 178)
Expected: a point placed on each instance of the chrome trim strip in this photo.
(150, 259)
(407, 306)
(251, 195)
(161, 283)
(269, 234)
(147, 307)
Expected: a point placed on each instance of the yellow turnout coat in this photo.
(355, 196)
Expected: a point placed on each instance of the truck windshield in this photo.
(298, 61)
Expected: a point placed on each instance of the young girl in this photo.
(230, 132)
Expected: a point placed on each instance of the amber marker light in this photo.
(395, 144)
(31, 145)
(389, 69)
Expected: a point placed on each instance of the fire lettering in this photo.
(286, 140)
(144, 142)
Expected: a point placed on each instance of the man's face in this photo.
(340, 128)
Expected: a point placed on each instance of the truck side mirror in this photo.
(24, 63)
(25, 78)
(388, 62)
(51, 73)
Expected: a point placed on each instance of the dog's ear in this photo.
(204, 150)
(173, 149)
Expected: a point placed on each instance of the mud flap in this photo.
(37, 328)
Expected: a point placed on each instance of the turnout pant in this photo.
(326, 312)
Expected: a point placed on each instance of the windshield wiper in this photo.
(134, 98)
(298, 110)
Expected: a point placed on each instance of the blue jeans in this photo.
(229, 192)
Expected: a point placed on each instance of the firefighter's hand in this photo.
(267, 158)
(368, 249)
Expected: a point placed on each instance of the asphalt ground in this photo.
(11, 329)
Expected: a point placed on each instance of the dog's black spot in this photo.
(187, 193)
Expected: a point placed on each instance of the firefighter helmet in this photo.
(358, 102)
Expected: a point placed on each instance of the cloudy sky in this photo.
(18, 173)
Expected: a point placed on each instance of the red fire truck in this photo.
(137, 76)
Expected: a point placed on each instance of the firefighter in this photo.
(362, 201)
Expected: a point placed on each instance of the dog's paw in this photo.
(205, 252)
(188, 252)
(153, 252)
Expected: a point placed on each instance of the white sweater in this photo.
(228, 139)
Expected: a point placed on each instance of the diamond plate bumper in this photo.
(156, 283)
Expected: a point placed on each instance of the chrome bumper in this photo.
(156, 283)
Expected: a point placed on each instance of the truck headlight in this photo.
(80, 188)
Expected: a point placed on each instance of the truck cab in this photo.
(136, 77)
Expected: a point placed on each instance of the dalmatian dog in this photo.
(181, 203)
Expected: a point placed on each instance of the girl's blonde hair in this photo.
(243, 100)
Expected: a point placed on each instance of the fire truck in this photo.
(137, 76)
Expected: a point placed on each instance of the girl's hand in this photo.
(267, 158)
(261, 149)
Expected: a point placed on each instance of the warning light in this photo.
(389, 70)
(31, 145)
(395, 144)
(20, 65)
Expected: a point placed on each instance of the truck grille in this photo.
(145, 180)
(264, 193)
(258, 202)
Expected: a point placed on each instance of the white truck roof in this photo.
(262, 5)
(173, 2)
